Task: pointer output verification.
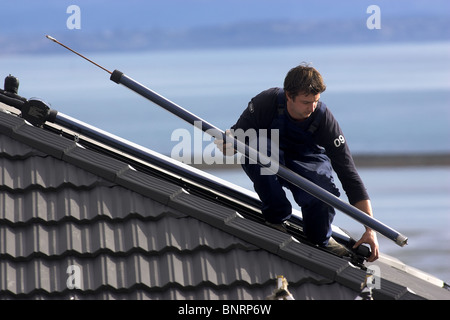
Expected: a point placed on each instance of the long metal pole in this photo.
(282, 171)
(253, 155)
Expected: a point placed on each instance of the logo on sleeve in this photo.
(251, 108)
(339, 141)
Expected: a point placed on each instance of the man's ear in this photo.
(288, 97)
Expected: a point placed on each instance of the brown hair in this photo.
(303, 79)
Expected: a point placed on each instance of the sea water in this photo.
(388, 98)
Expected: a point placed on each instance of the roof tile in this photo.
(103, 166)
(324, 263)
(78, 203)
(155, 272)
(117, 237)
(148, 185)
(43, 140)
(38, 172)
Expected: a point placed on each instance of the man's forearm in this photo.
(365, 206)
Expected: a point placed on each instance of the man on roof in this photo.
(310, 143)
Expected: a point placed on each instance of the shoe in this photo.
(279, 226)
(337, 248)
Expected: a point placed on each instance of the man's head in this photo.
(305, 80)
(303, 86)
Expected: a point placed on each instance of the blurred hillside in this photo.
(156, 25)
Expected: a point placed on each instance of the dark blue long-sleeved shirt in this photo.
(262, 110)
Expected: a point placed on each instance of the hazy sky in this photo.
(50, 15)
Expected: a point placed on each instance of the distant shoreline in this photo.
(402, 160)
(430, 159)
(371, 161)
(246, 34)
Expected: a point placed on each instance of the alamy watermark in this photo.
(74, 277)
(374, 20)
(74, 20)
(373, 277)
(260, 147)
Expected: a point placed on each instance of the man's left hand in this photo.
(369, 237)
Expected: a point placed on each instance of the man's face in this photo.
(302, 106)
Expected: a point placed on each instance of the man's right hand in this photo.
(226, 148)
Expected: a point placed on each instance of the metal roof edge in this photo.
(397, 264)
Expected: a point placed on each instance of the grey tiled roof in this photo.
(138, 236)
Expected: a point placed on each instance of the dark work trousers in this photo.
(276, 208)
(298, 152)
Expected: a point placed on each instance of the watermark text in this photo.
(74, 278)
(257, 146)
(74, 20)
(374, 20)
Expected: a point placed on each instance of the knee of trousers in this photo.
(317, 220)
(276, 208)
